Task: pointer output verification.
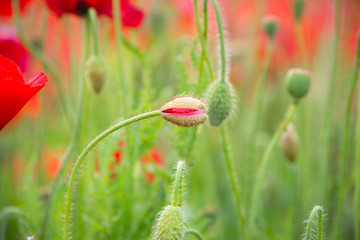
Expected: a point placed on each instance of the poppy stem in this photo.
(38, 54)
(75, 138)
(329, 107)
(263, 165)
(259, 100)
(119, 43)
(345, 148)
(234, 184)
(357, 157)
(221, 39)
(84, 153)
(94, 28)
(202, 37)
(195, 233)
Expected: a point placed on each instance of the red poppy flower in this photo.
(11, 47)
(130, 15)
(14, 91)
(6, 8)
(154, 156)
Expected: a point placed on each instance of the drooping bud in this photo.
(270, 25)
(170, 224)
(95, 73)
(298, 9)
(298, 82)
(185, 111)
(289, 143)
(220, 97)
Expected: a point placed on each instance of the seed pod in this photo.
(289, 143)
(298, 9)
(270, 25)
(220, 97)
(185, 111)
(95, 73)
(298, 82)
(170, 224)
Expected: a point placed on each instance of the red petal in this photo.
(14, 91)
(184, 112)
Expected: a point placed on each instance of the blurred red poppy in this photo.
(11, 47)
(6, 9)
(14, 91)
(130, 15)
(154, 156)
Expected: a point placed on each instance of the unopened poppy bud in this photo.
(298, 82)
(270, 25)
(298, 9)
(170, 224)
(185, 111)
(221, 102)
(96, 73)
(289, 143)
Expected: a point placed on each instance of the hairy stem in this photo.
(264, 162)
(195, 233)
(178, 191)
(221, 39)
(314, 224)
(232, 177)
(82, 156)
(202, 37)
(75, 138)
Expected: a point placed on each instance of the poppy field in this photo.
(179, 119)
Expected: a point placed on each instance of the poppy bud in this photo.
(170, 224)
(289, 143)
(298, 82)
(221, 102)
(96, 73)
(270, 25)
(185, 111)
(298, 9)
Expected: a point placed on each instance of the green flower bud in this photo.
(170, 224)
(95, 73)
(289, 143)
(298, 9)
(298, 82)
(270, 25)
(220, 98)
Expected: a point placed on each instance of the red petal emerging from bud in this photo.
(185, 111)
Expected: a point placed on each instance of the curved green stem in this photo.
(264, 162)
(221, 39)
(345, 147)
(94, 28)
(314, 224)
(84, 153)
(195, 233)
(234, 184)
(119, 42)
(301, 42)
(74, 139)
(203, 38)
(37, 53)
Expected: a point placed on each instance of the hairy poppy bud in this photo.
(289, 143)
(270, 25)
(298, 82)
(184, 111)
(170, 224)
(298, 9)
(96, 73)
(221, 102)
